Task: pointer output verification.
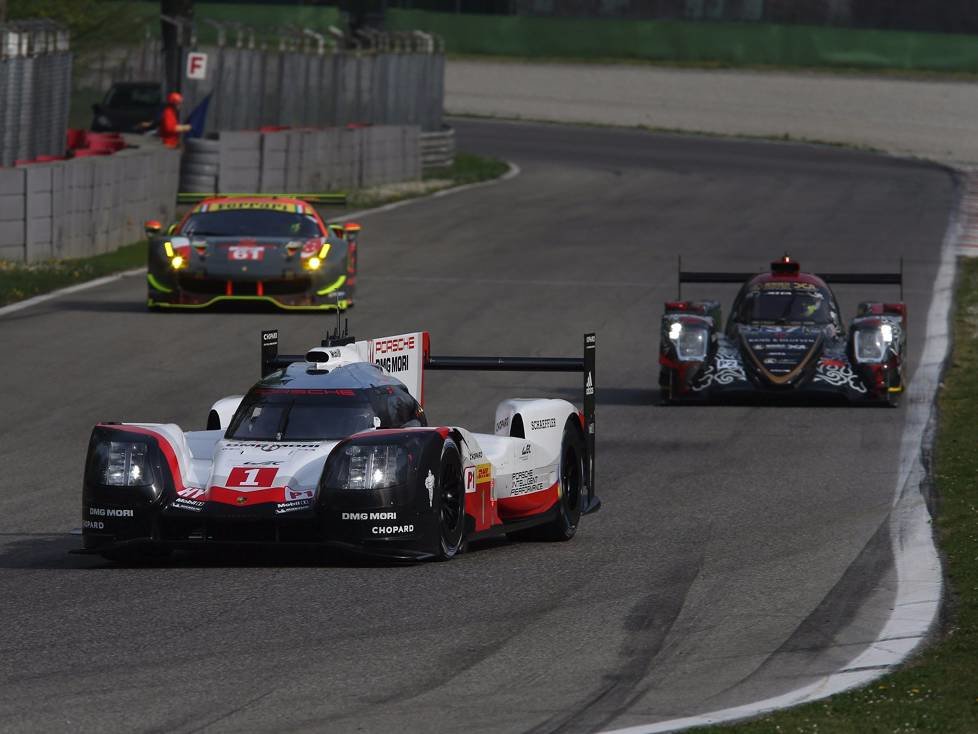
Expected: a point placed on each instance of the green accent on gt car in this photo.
(157, 285)
(341, 305)
(332, 286)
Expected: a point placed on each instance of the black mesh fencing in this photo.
(941, 16)
(35, 83)
(394, 79)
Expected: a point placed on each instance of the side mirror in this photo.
(336, 230)
(152, 228)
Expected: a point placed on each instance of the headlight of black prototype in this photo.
(871, 345)
(368, 466)
(691, 342)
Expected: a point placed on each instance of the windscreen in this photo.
(285, 415)
(251, 223)
(784, 303)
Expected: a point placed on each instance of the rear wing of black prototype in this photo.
(271, 360)
(691, 276)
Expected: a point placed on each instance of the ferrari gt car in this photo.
(333, 448)
(784, 339)
(252, 248)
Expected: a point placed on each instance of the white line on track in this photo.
(27, 303)
(917, 564)
(513, 172)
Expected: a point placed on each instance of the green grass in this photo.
(19, 281)
(937, 691)
(469, 168)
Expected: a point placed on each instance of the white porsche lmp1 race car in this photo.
(331, 449)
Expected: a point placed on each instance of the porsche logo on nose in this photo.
(241, 500)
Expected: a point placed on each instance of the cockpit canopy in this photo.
(320, 414)
(784, 302)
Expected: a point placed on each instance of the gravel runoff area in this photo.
(931, 118)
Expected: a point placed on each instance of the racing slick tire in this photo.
(199, 169)
(571, 479)
(450, 508)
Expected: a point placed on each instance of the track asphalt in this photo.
(740, 550)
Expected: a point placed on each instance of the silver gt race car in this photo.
(270, 249)
(333, 448)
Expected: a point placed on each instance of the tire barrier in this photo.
(199, 166)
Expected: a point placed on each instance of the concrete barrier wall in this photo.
(85, 206)
(303, 161)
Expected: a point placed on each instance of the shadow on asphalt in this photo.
(612, 395)
(97, 306)
(44, 551)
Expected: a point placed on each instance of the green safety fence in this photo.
(738, 44)
(264, 20)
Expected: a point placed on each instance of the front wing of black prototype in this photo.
(729, 375)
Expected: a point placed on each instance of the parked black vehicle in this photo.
(128, 107)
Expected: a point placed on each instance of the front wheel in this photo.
(894, 388)
(450, 507)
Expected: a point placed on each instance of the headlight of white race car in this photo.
(871, 344)
(127, 465)
(692, 342)
(369, 467)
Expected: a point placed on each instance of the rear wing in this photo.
(333, 198)
(407, 356)
(691, 276)
(584, 365)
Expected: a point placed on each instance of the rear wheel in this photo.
(571, 488)
(450, 507)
